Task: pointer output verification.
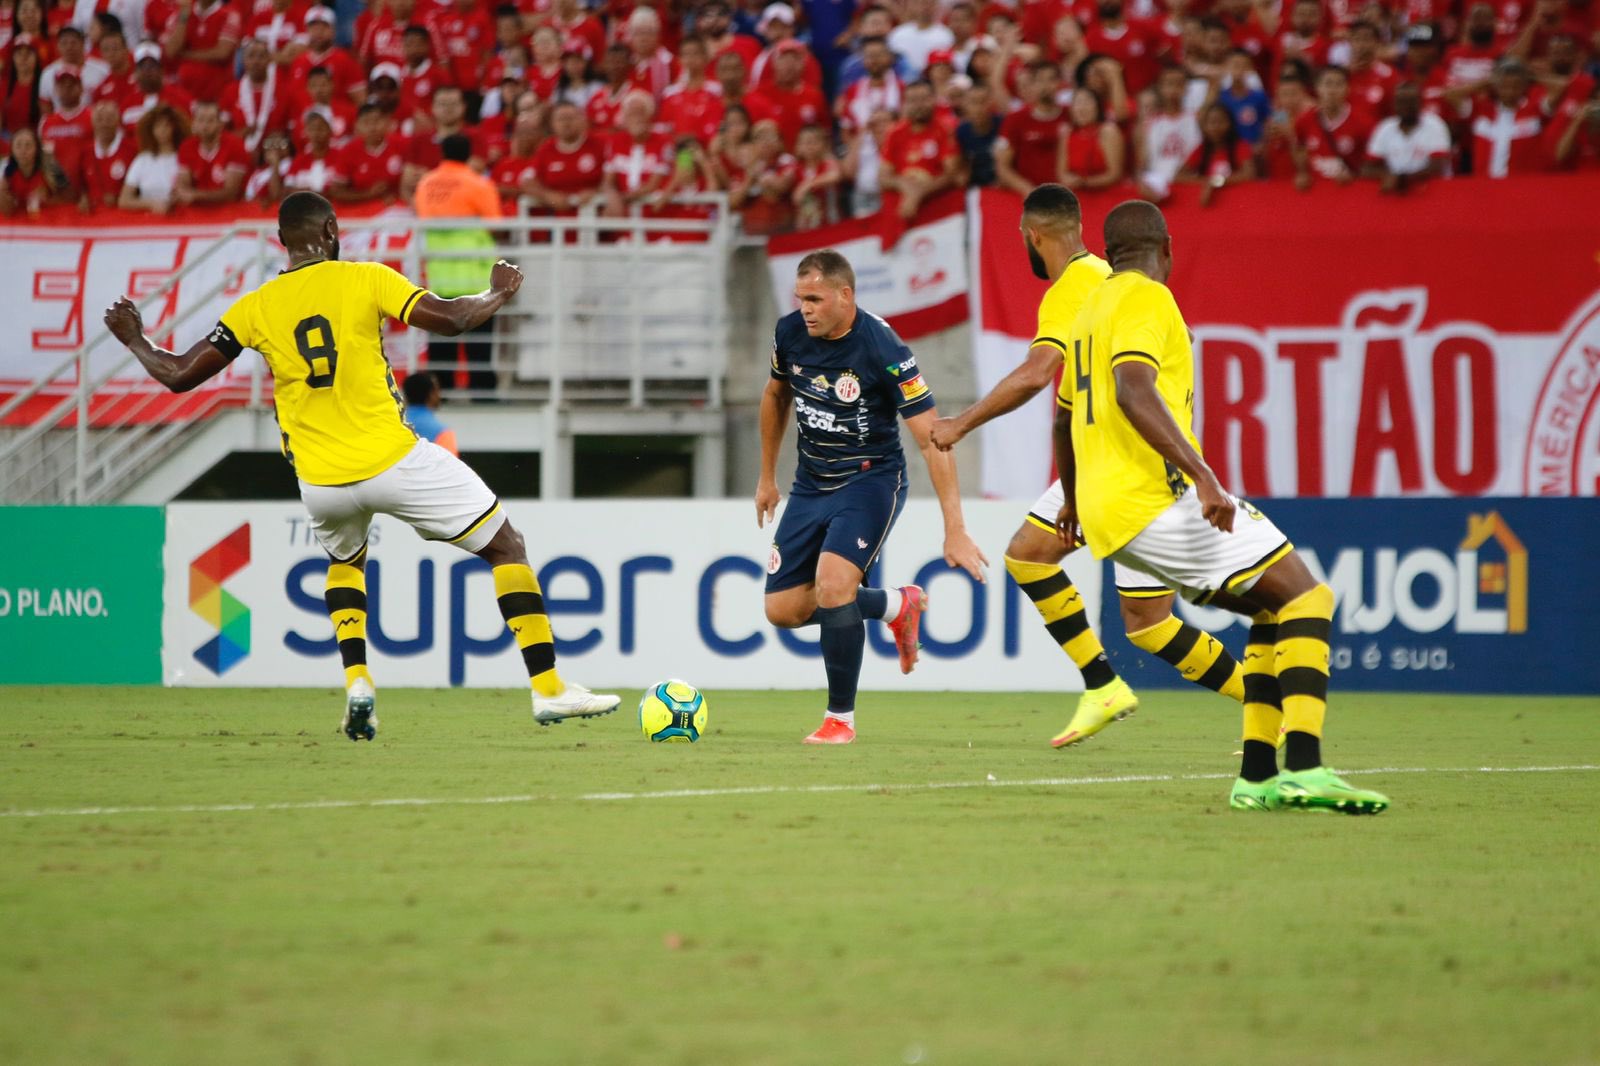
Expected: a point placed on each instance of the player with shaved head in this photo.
(1138, 492)
(318, 325)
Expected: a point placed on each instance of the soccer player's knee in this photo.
(836, 591)
(1026, 547)
(786, 614)
(1140, 615)
(1315, 603)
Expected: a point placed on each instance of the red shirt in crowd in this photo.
(605, 107)
(633, 163)
(692, 112)
(210, 171)
(510, 173)
(1328, 144)
(1034, 142)
(463, 41)
(100, 172)
(363, 168)
(208, 27)
(654, 74)
(22, 187)
(1136, 45)
(570, 170)
(1505, 140)
(417, 87)
(1313, 49)
(1373, 86)
(277, 28)
(796, 108)
(314, 172)
(342, 67)
(586, 28)
(67, 137)
(1086, 157)
(906, 148)
(380, 37)
(254, 110)
(861, 98)
(17, 109)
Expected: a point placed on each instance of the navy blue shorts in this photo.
(852, 521)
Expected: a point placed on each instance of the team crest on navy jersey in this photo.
(847, 387)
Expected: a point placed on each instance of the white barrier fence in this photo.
(637, 591)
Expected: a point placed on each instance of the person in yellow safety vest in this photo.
(454, 190)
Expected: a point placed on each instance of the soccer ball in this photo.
(672, 711)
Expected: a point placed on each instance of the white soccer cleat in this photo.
(360, 711)
(575, 701)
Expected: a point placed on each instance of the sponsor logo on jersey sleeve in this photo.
(915, 389)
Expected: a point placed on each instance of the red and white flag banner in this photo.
(915, 277)
(60, 278)
(1351, 344)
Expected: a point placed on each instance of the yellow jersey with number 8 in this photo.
(320, 328)
(1122, 482)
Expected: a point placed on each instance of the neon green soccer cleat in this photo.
(1254, 795)
(1320, 789)
(1097, 708)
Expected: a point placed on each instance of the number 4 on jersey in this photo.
(1082, 359)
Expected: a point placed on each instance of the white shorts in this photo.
(1045, 508)
(430, 490)
(1181, 552)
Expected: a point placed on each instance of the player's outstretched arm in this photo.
(959, 547)
(1148, 414)
(451, 318)
(776, 402)
(1012, 391)
(179, 373)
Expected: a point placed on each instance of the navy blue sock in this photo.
(844, 639)
(874, 603)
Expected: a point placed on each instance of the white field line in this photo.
(712, 793)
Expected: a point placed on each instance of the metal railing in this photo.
(614, 311)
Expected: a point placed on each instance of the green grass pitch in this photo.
(774, 918)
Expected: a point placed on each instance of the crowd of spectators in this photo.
(802, 115)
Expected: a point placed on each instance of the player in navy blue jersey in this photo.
(848, 379)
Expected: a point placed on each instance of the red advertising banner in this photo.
(1352, 344)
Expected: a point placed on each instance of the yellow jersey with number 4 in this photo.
(1064, 299)
(320, 328)
(1122, 482)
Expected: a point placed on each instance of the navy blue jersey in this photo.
(847, 396)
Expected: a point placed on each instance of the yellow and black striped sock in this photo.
(1305, 625)
(1198, 655)
(346, 597)
(522, 605)
(1263, 706)
(1057, 599)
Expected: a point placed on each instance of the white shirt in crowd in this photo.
(914, 44)
(1169, 140)
(1409, 153)
(152, 176)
